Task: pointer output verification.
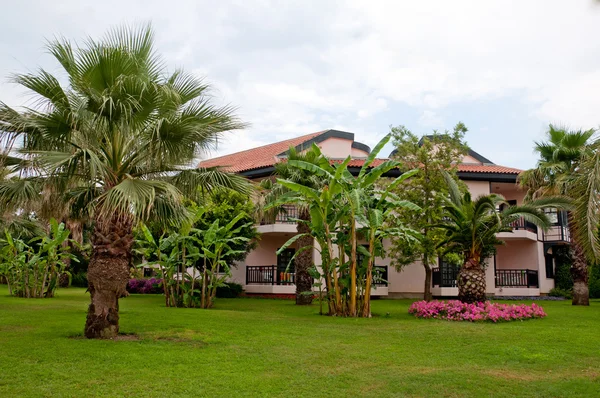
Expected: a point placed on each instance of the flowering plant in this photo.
(455, 310)
(145, 286)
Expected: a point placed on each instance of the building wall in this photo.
(518, 254)
(336, 148)
(478, 188)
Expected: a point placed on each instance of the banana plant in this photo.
(345, 208)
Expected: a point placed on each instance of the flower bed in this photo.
(145, 286)
(455, 310)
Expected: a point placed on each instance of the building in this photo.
(522, 267)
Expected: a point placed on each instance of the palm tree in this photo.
(117, 142)
(471, 229)
(566, 167)
(273, 192)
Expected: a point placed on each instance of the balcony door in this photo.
(286, 275)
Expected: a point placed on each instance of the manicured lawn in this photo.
(254, 347)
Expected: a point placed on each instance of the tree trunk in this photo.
(108, 273)
(579, 268)
(427, 296)
(579, 273)
(471, 283)
(303, 262)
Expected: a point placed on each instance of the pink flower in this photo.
(455, 310)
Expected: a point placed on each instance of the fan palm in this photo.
(567, 166)
(471, 228)
(116, 142)
(303, 260)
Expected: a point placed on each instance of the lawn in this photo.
(259, 347)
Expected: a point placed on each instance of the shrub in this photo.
(455, 310)
(145, 286)
(79, 279)
(558, 292)
(229, 290)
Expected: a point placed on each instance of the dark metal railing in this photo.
(517, 278)
(523, 225)
(269, 275)
(445, 276)
(287, 215)
(559, 231)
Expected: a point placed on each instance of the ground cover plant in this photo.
(455, 310)
(257, 347)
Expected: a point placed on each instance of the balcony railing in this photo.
(559, 231)
(522, 225)
(287, 215)
(269, 275)
(517, 278)
(445, 276)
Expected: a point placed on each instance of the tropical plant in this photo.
(271, 193)
(32, 268)
(344, 210)
(569, 165)
(195, 262)
(116, 143)
(470, 230)
(434, 155)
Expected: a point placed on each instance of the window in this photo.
(549, 266)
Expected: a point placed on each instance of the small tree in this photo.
(433, 156)
(471, 226)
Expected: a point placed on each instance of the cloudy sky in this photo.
(505, 68)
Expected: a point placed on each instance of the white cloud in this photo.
(298, 67)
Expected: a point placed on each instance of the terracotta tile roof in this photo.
(266, 156)
(256, 158)
(487, 168)
(466, 168)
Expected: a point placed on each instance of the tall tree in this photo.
(272, 192)
(433, 155)
(471, 226)
(567, 167)
(117, 141)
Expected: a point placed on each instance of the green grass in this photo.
(254, 347)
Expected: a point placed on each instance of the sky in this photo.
(504, 68)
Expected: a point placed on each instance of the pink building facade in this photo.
(524, 266)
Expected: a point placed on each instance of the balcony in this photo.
(269, 275)
(522, 225)
(517, 278)
(283, 223)
(287, 215)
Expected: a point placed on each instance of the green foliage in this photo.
(558, 292)
(118, 138)
(32, 269)
(594, 281)
(344, 210)
(433, 155)
(193, 261)
(562, 273)
(229, 290)
(225, 205)
(79, 279)
(471, 226)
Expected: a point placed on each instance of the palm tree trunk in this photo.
(303, 262)
(579, 268)
(108, 274)
(471, 282)
(579, 273)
